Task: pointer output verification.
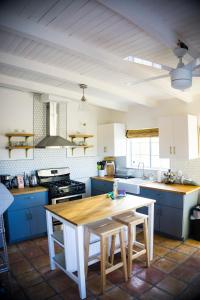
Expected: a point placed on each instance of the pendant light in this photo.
(83, 106)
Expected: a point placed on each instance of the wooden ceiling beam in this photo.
(49, 36)
(67, 95)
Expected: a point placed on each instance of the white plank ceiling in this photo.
(61, 43)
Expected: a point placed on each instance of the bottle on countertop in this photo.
(115, 189)
(26, 180)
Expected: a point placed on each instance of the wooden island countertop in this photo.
(176, 188)
(92, 209)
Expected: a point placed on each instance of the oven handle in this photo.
(67, 197)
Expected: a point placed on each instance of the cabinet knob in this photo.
(170, 149)
(174, 150)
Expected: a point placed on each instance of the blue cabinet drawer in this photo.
(163, 198)
(101, 185)
(151, 194)
(29, 200)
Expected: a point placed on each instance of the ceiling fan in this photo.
(181, 76)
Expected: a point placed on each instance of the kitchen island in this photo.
(74, 216)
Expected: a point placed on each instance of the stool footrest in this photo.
(114, 267)
(138, 253)
(139, 245)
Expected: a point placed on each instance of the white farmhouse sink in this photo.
(131, 185)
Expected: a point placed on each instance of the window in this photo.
(145, 150)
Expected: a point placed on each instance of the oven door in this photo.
(67, 198)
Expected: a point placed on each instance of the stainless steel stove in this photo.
(61, 187)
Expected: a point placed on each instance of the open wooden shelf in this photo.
(81, 146)
(19, 134)
(84, 136)
(19, 147)
(25, 135)
(81, 136)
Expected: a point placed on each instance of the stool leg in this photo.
(130, 249)
(146, 241)
(112, 249)
(107, 254)
(103, 264)
(123, 253)
(87, 248)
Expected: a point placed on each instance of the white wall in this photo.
(81, 167)
(16, 114)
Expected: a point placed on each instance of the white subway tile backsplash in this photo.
(81, 167)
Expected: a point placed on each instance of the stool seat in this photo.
(131, 217)
(106, 229)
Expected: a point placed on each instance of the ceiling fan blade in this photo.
(196, 73)
(149, 79)
(194, 64)
(147, 63)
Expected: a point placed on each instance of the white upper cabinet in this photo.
(178, 137)
(112, 140)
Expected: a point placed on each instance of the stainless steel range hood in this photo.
(53, 140)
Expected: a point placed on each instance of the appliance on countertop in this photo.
(6, 180)
(61, 187)
(110, 165)
(33, 180)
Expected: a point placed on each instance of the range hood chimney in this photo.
(53, 140)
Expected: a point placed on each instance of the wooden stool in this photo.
(131, 219)
(104, 229)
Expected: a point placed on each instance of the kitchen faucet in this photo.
(141, 163)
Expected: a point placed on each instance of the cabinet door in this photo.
(38, 223)
(102, 186)
(171, 221)
(180, 147)
(96, 192)
(165, 137)
(119, 140)
(186, 137)
(144, 210)
(18, 225)
(157, 217)
(106, 140)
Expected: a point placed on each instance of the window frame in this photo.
(130, 158)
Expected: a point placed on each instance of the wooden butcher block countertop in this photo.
(92, 209)
(176, 188)
(28, 190)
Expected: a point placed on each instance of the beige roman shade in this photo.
(140, 133)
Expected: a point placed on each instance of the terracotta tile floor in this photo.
(174, 274)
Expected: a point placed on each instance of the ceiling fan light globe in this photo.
(181, 78)
(180, 52)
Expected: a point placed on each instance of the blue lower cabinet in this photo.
(172, 211)
(18, 225)
(171, 220)
(38, 222)
(144, 210)
(99, 187)
(26, 217)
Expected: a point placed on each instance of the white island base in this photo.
(71, 239)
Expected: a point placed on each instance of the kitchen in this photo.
(113, 114)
